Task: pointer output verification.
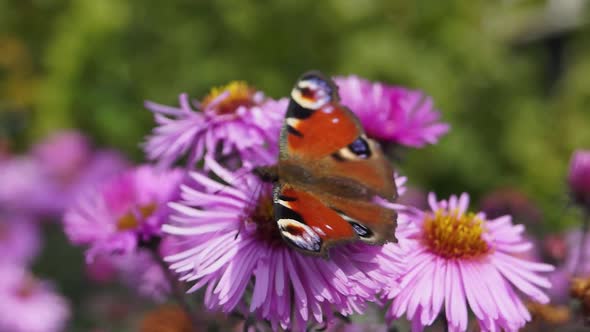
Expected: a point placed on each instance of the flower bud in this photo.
(579, 178)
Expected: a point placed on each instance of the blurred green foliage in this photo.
(91, 64)
(487, 64)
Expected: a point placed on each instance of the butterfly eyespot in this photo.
(361, 230)
(360, 147)
(312, 92)
(299, 235)
(293, 230)
(307, 93)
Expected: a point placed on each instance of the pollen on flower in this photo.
(239, 94)
(131, 220)
(455, 235)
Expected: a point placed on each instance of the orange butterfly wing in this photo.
(308, 224)
(334, 169)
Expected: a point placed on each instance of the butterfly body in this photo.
(329, 174)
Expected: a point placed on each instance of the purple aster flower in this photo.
(25, 187)
(141, 272)
(146, 272)
(462, 260)
(573, 263)
(565, 250)
(28, 304)
(19, 240)
(71, 166)
(232, 119)
(101, 269)
(104, 165)
(391, 113)
(234, 251)
(63, 153)
(124, 212)
(560, 285)
(579, 178)
(61, 166)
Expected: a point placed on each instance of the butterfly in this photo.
(328, 174)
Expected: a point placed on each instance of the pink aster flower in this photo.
(574, 264)
(579, 177)
(101, 269)
(234, 251)
(232, 119)
(25, 187)
(391, 113)
(71, 165)
(28, 304)
(141, 272)
(146, 272)
(124, 212)
(57, 169)
(19, 240)
(576, 261)
(565, 250)
(462, 260)
(63, 153)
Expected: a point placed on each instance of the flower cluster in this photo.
(579, 178)
(235, 119)
(392, 113)
(213, 224)
(232, 247)
(36, 187)
(233, 244)
(121, 219)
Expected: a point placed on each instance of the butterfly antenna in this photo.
(241, 174)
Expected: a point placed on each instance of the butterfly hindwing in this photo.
(306, 223)
(372, 223)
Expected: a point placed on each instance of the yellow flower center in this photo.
(453, 235)
(131, 220)
(240, 94)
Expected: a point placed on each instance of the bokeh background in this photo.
(511, 77)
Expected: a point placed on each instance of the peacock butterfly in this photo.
(329, 174)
